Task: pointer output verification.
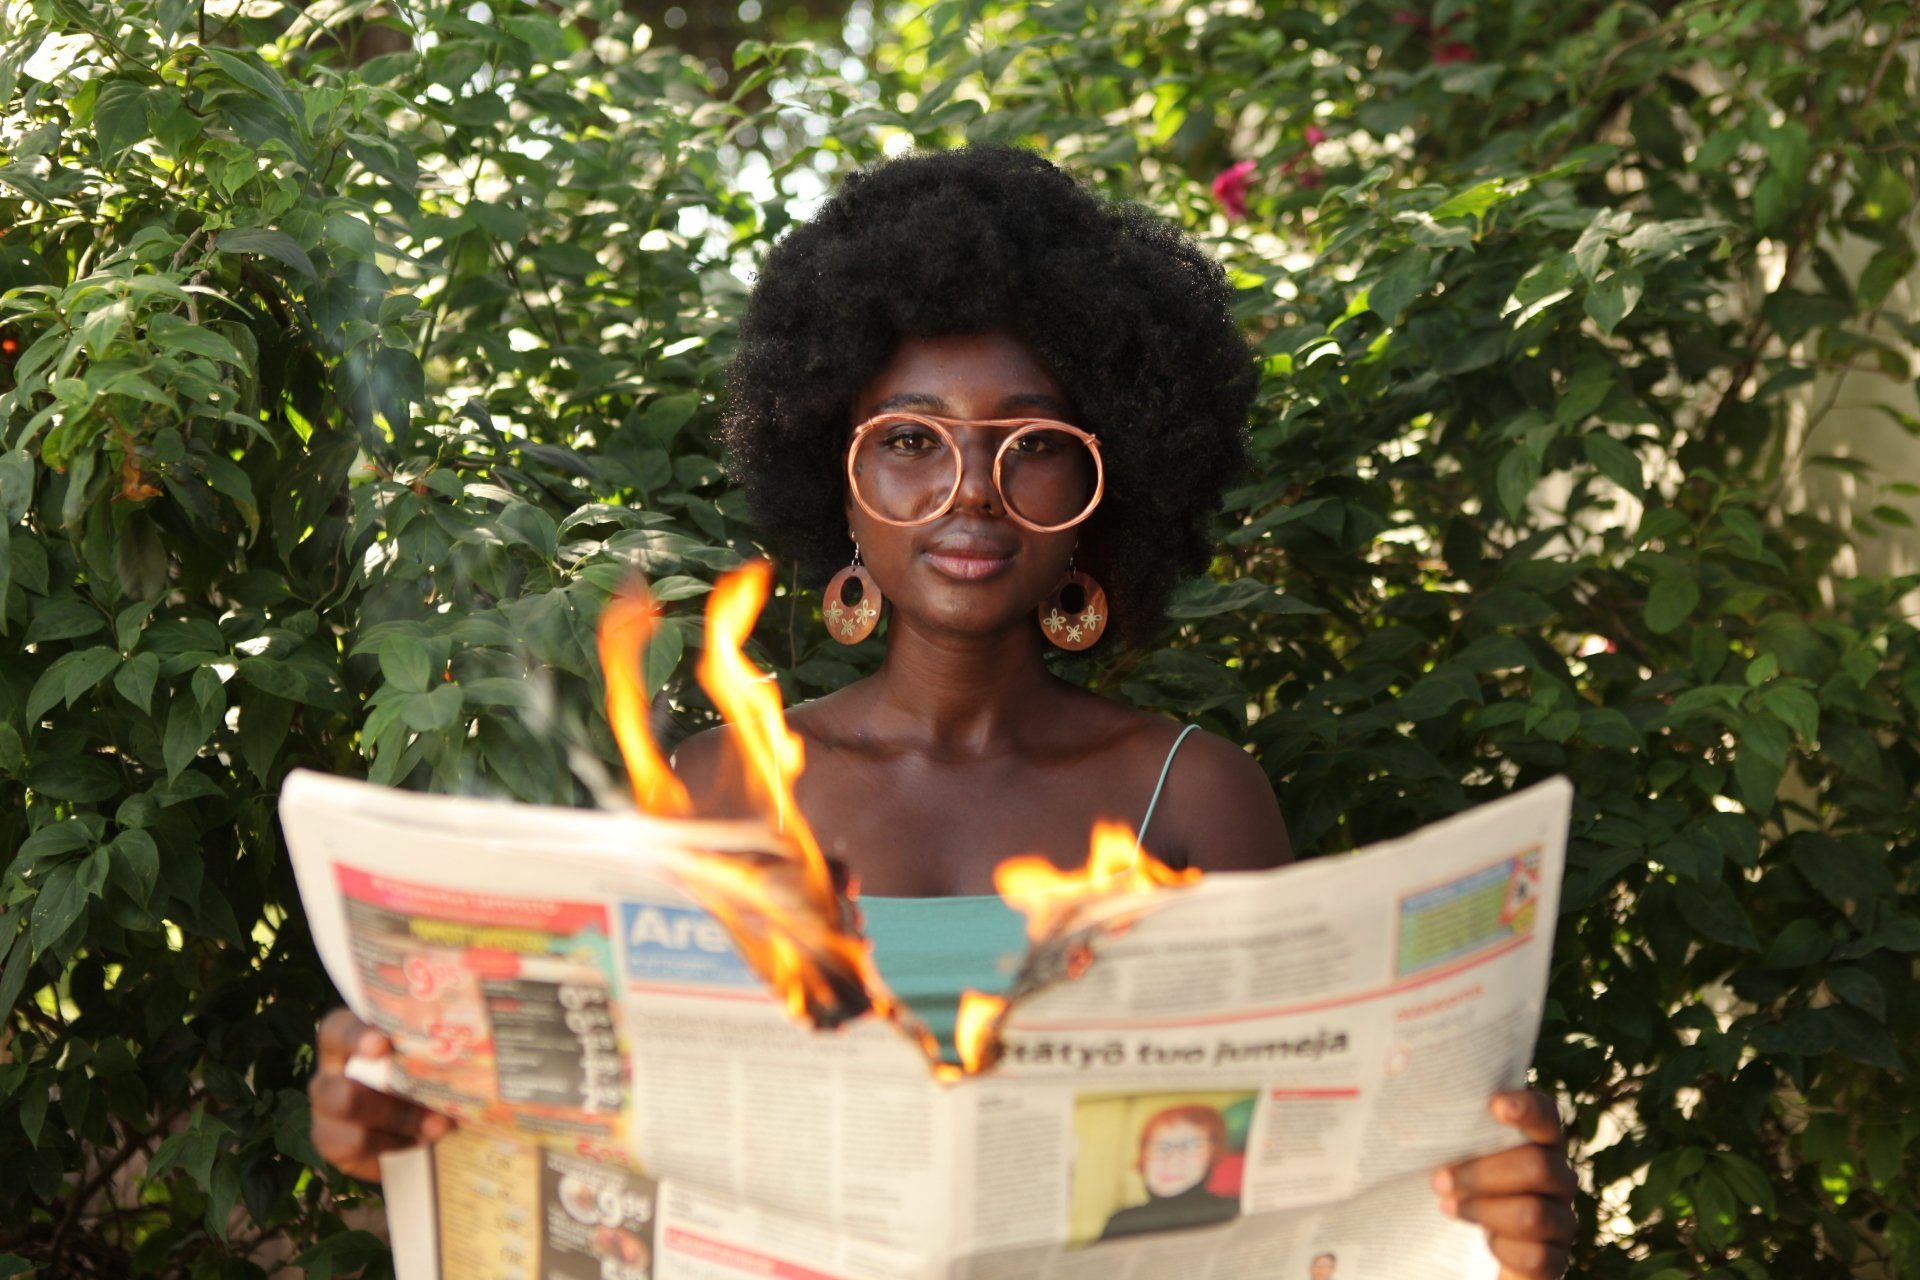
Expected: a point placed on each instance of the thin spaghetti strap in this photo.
(1165, 769)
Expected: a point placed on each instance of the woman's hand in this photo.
(353, 1124)
(1522, 1196)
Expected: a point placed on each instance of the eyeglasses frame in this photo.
(941, 427)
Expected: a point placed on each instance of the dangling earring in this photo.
(853, 603)
(1075, 616)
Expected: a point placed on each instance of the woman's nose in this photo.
(977, 492)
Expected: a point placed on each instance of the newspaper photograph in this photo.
(1248, 1077)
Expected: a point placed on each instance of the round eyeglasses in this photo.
(905, 469)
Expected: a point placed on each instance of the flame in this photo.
(1116, 865)
(976, 1030)
(784, 913)
(750, 702)
(781, 906)
(625, 627)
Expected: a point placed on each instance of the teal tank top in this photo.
(930, 950)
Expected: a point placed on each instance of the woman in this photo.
(1179, 1147)
(931, 372)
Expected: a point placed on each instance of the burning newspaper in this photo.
(1245, 1076)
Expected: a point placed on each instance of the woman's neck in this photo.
(952, 694)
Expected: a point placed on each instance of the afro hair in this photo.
(1129, 315)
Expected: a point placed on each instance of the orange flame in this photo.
(784, 913)
(1116, 865)
(750, 702)
(975, 1030)
(626, 625)
(781, 907)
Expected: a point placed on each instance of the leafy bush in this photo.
(338, 398)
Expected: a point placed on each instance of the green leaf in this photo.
(1861, 990)
(18, 968)
(193, 1148)
(662, 658)
(135, 679)
(1842, 870)
(56, 906)
(1477, 199)
(502, 222)
(1750, 1185)
(128, 623)
(432, 712)
(1670, 603)
(139, 556)
(405, 663)
(1713, 912)
(1756, 777)
(119, 117)
(63, 618)
(135, 864)
(1614, 460)
(1659, 239)
(1801, 943)
(190, 720)
(264, 82)
(176, 334)
(273, 244)
(344, 1253)
(1862, 1038)
(1798, 708)
(1611, 300)
(16, 485)
(70, 678)
(92, 873)
(264, 721)
(57, 838)
(226, 478)
(1403, 279)
(1518, 474)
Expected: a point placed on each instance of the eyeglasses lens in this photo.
(904, 471)
(1047, 477)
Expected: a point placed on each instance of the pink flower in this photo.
(1230, 188)
(1445, 55)
(1309, 177)
(1315, 135)
(1409, 18)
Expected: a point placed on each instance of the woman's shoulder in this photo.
(1215, 803)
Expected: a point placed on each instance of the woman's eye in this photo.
(910, 440)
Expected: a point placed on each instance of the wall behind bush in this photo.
(339, 394)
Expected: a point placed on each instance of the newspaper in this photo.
(1248, 1078)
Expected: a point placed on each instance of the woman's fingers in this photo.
(1531, 1112)
(1528, 1260)
(1522, 1196)
(355, 1149)
(338, 1098)
(1536, 1219)
(1529, 1170)
(342, 1035)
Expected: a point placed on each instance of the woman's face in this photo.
(972, 570)
(1177, 1158)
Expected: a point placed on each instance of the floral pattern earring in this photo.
(1074, 617)
(853, 602)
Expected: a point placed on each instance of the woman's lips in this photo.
(968, 564)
